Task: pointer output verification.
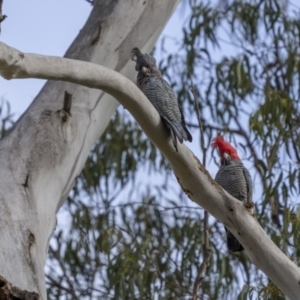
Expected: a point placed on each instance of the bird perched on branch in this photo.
(161, 95)
(234, 178)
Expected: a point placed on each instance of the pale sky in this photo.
(45, 27)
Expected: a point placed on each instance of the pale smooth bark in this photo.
(46, 149)
(191, 175)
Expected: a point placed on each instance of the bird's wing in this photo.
(173, 100)
(179, 114)
(249, 184)
(163, 98)
(166, 104)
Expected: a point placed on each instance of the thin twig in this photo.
(2, 17)
(59, 285)
(206, 258)
(206, 249)
(56, 255)
(202, 142)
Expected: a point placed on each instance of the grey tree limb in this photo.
(194, 179)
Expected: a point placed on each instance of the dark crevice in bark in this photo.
(97, 34)
(9, 292)
(99, 15)
(25, 184)
(67, 106)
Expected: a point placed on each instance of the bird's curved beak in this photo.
(226, 157)
(146, 71)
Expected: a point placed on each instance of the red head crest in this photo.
(224, 147)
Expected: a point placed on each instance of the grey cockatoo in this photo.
(235, 179)
(161, 95)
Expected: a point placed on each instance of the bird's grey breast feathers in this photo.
(231, 177)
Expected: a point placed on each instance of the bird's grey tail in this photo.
(188, 136)
(174, 138)
(232, 243)
(178, 131)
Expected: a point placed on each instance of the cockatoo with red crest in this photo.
(234, 178)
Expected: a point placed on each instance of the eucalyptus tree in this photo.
(131, 237)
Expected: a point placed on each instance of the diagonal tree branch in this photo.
(192, 176)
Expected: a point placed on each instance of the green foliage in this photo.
(131, 234)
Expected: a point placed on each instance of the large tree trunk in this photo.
(46, 149)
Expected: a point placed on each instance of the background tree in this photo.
(149, 237)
